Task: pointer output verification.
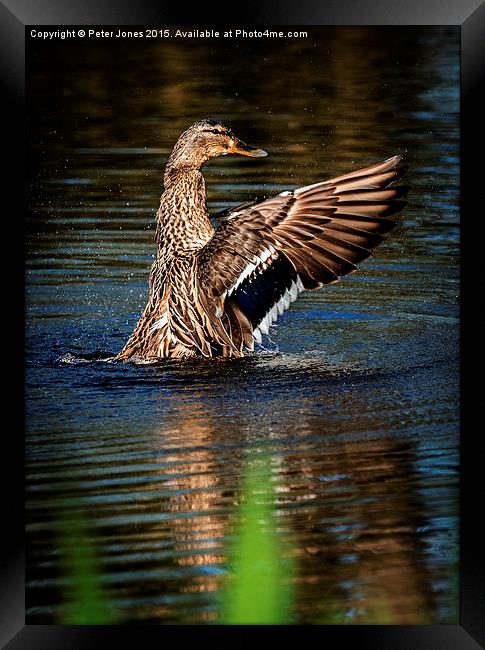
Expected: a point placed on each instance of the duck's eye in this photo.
(216, 131)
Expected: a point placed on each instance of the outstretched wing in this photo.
(263, 255)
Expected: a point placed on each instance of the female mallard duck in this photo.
(215, 292)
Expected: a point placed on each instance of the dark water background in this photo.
(355, 397)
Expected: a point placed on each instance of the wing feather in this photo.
(264, 254)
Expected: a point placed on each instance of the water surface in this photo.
(354, 395)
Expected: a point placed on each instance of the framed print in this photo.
(240, 261)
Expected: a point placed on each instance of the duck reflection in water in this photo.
(349, 506)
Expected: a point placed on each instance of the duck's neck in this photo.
(183, 220)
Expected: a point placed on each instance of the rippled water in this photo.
(355, 396)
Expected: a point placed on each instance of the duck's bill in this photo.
(244, 149)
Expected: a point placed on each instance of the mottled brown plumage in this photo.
(215, 292)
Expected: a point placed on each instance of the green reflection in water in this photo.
(85, 600)
(259, 590)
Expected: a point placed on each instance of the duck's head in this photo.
(206, 139)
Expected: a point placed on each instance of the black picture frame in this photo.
(15, 15)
